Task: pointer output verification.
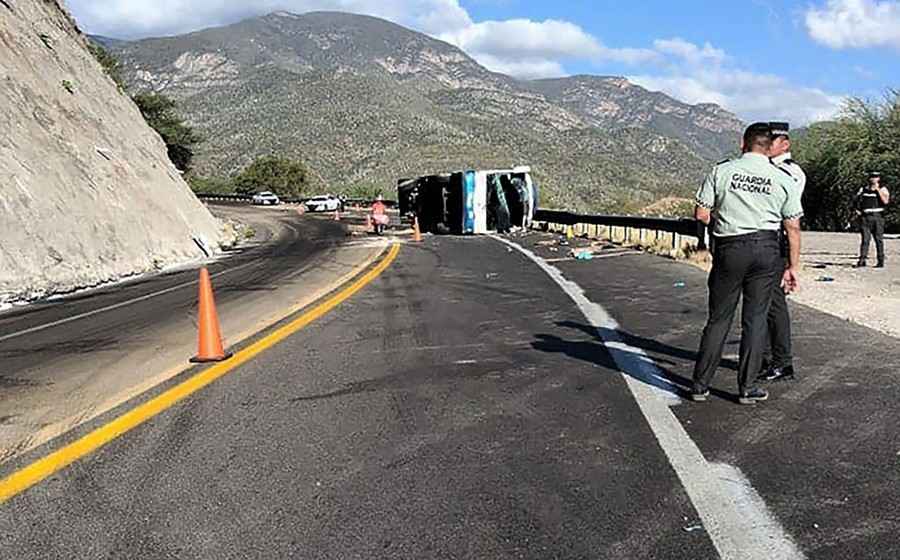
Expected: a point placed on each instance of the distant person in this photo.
(379, 215)
(871, 201)
(779, 361)
(751, 199)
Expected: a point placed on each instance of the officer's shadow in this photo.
(643, 359)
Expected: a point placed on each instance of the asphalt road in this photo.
(460, 406)
(62, 361)
(283, 244)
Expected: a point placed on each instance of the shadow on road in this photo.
(619, 351)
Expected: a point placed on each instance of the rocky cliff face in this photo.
(613, 102)
(87, 193)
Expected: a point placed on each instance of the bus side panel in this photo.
(531, 203)
(469, 202)
(481, 195)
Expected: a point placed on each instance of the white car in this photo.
(323, 203)
(266, 198)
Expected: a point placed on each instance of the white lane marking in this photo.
(119, 305)
(735, 517)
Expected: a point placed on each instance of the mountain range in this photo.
(363, 101)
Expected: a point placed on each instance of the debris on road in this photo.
(679, 284)
(692, 528)
(824, 279)
(583, 255)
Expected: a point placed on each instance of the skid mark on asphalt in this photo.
(737, 520)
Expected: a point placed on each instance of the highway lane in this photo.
(417, 420)
(461, 406)
(87, 352)
(277, 234)
(822, 452)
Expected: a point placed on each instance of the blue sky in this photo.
(761, 36)
(763, 59)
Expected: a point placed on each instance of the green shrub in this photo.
(283, 176)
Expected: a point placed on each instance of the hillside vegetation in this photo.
(838, 155)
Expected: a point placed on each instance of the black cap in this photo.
(874, 174)
(758, 128)
(779, 129)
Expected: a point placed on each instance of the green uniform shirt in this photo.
(786, 162)
(749, 194)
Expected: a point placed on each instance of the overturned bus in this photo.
(470, 202)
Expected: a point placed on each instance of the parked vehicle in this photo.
(470, 202)
(323, 203)
(266, 198)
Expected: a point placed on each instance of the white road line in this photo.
(737, 520)
(119, 305)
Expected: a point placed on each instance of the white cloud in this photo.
(842, 24)
(706, 75)
(536, 49)
(690, 52)
(525, 69)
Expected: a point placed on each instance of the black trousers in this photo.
(748, 266)
(779, 329)
(872, 225)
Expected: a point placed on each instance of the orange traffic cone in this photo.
(417, 233)
(209, 339)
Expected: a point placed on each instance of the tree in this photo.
(366, 191)
(160, 113)
(837, 156)
(284, 177)
(109, 63)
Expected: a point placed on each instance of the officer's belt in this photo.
(755, 236)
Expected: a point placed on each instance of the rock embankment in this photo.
(87, 192)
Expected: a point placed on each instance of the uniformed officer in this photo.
(870, 203)
(751, 199)
(780, 357)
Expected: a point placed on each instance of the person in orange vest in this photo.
(379, 215)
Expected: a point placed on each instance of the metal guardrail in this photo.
(676, 226)
(249, 198)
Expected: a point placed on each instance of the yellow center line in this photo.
(32, 474)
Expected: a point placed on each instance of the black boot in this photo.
(860, 264)
(880, 264)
